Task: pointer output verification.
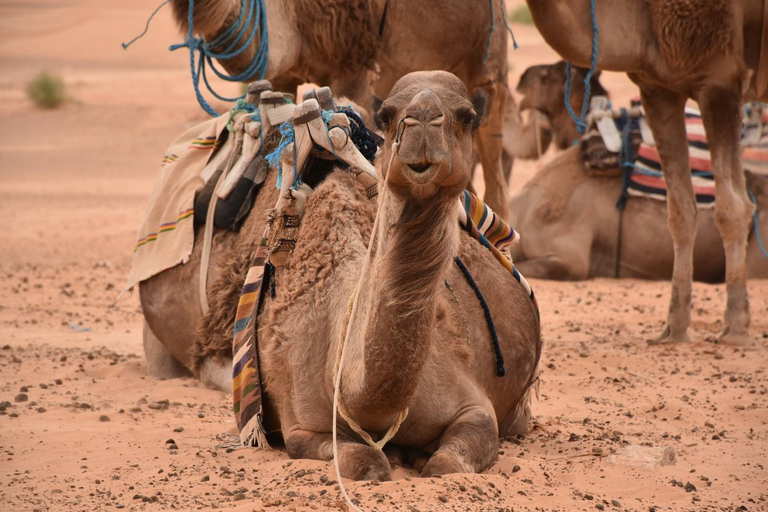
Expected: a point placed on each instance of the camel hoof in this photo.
(362, 462)
(668, 338)
(443, 463)
(736, 339)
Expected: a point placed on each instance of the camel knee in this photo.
(732, 217)
(161, 364)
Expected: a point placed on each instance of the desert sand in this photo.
(83, 428)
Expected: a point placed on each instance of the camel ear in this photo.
(382, 115)
(478, 103)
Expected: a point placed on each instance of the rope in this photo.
(366, 141)
(287, 136)
(146, 27)
(252, 13)
(500, 370)
(493, 27)
(580, 124)
(757, 225)
(347, 330)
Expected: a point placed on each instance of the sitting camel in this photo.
(570, 218)
(714, 51)
(408, 347)
(419, 340)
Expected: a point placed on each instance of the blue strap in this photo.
(493, 26)
(580, 124)
(253, 13)
(146, 27)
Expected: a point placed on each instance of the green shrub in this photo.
(47, 90)
(521, 15)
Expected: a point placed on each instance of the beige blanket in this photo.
(166, 236)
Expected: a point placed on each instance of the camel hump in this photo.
(690, 30)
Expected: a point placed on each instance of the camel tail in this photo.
(690, 30)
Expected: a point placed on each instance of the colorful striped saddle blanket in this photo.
(645, 178)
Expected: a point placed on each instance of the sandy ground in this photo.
(83, 428)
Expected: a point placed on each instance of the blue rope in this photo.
(756, 224)
(252, 13)
(287, 136)
(146, 28)
(580, 124)
(493, 27)
(500, 370)
(625, 157)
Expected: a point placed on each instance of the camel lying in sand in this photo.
(714, 51)
(570, 219)
(344, 43)
(415, 342)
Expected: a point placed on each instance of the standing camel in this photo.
(342, 43)
(707, 50)
(409, 348)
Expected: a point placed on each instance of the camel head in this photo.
(428, 121)
(543, 87)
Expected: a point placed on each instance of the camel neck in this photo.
(414, 245)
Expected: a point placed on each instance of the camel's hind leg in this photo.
(160, 362)
(489, 142)
(357, 461)
(469, 445)
(665, 111)
(721, 113)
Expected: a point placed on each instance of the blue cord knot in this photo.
(581, 126)
(287, 136)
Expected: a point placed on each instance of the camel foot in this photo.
(216, 373)
(740, 338)
(362, 462)
(161, 364)
(667, 337)
(443, 463)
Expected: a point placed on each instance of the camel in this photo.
(408, 347)
(343, 43)
(707, 50)
(571, 229)
(570, 218)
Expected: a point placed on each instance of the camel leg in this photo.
(357, 461)
(160, 362)
(216, 373)
(469, 445)
(721, 114)
(489, 142)
(665, 111)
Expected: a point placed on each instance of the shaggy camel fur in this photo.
(344, 43)
(674, 50)
(409, 347)
(571, 227)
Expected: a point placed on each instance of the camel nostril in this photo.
(420, 168)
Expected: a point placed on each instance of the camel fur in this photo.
(707, 50)
(408, 346)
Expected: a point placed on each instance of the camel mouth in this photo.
(420, 168)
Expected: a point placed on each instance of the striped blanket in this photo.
(166, 236)
(646, 178)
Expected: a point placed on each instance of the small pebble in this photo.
(172, 447)
(515, 468)
(179, 429)
(205, 478)
(41, 409)
(21, 397)
(58, 382)
(104, 418)
(23, 389)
